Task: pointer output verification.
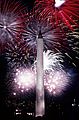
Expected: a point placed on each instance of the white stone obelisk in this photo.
(40, 103)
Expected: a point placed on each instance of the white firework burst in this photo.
(56, 81)
(24, 79)
(51, 60)
(11, 20)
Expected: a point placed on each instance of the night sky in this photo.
(22, 105)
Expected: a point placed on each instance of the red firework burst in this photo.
(65, 11)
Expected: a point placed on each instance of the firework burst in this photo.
(56, 81)
(18, 54)
(52, 37)
(73, 41)
(24, 79)
(51, 60)
(59, 11)
(11, 19)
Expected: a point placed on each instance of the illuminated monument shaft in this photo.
(40, 104)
